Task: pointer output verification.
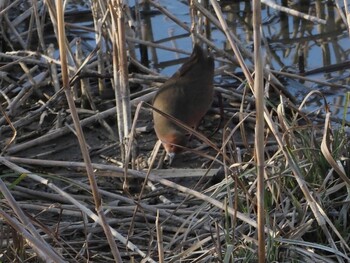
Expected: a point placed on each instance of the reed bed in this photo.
(79, 179)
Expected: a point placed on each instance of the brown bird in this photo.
(186, 96)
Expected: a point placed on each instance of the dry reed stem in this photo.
(233, 44)
(175, 186)
(159, 240)
(327, 153)
(80, 134)
(293, 12)
(46, 254)
(68, 197)
(323, 83)
(188, 221)
(315, 207)
(122, 71)
(347, 12)
(259, 128)
(340, 11)
(25, 220)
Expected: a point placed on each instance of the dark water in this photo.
(293, 44)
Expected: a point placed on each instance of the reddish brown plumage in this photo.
(186, 96)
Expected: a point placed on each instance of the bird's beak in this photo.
(169, 158)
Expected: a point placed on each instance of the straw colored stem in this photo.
(259, 128)
(72, 200)
(293, 12)
(45, 253)
(123, 70)
(80, 134)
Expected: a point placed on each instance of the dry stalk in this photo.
(159, 240)
(347, 12)
(320, 82)
(293, 12)
(233, 44)
(123, 73)
(11, 140)
(80, 134)
(184, 228)
(154, 178)
(259, 128)
(19, 212)
(39, 26)
(82, 207)
(318, 212)
(14, 31)
(236, 50)
(59, 132)
(97, 15)
(116, 84)
(327, 153)
(45, 253)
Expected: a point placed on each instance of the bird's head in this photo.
(172, 144)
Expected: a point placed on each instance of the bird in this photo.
(187, 96)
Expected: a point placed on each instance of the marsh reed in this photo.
(76, 178)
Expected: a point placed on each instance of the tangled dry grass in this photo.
(118, 207)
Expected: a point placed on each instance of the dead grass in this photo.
(49, 211)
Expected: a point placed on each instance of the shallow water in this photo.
(289, 40)
(292, 44)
